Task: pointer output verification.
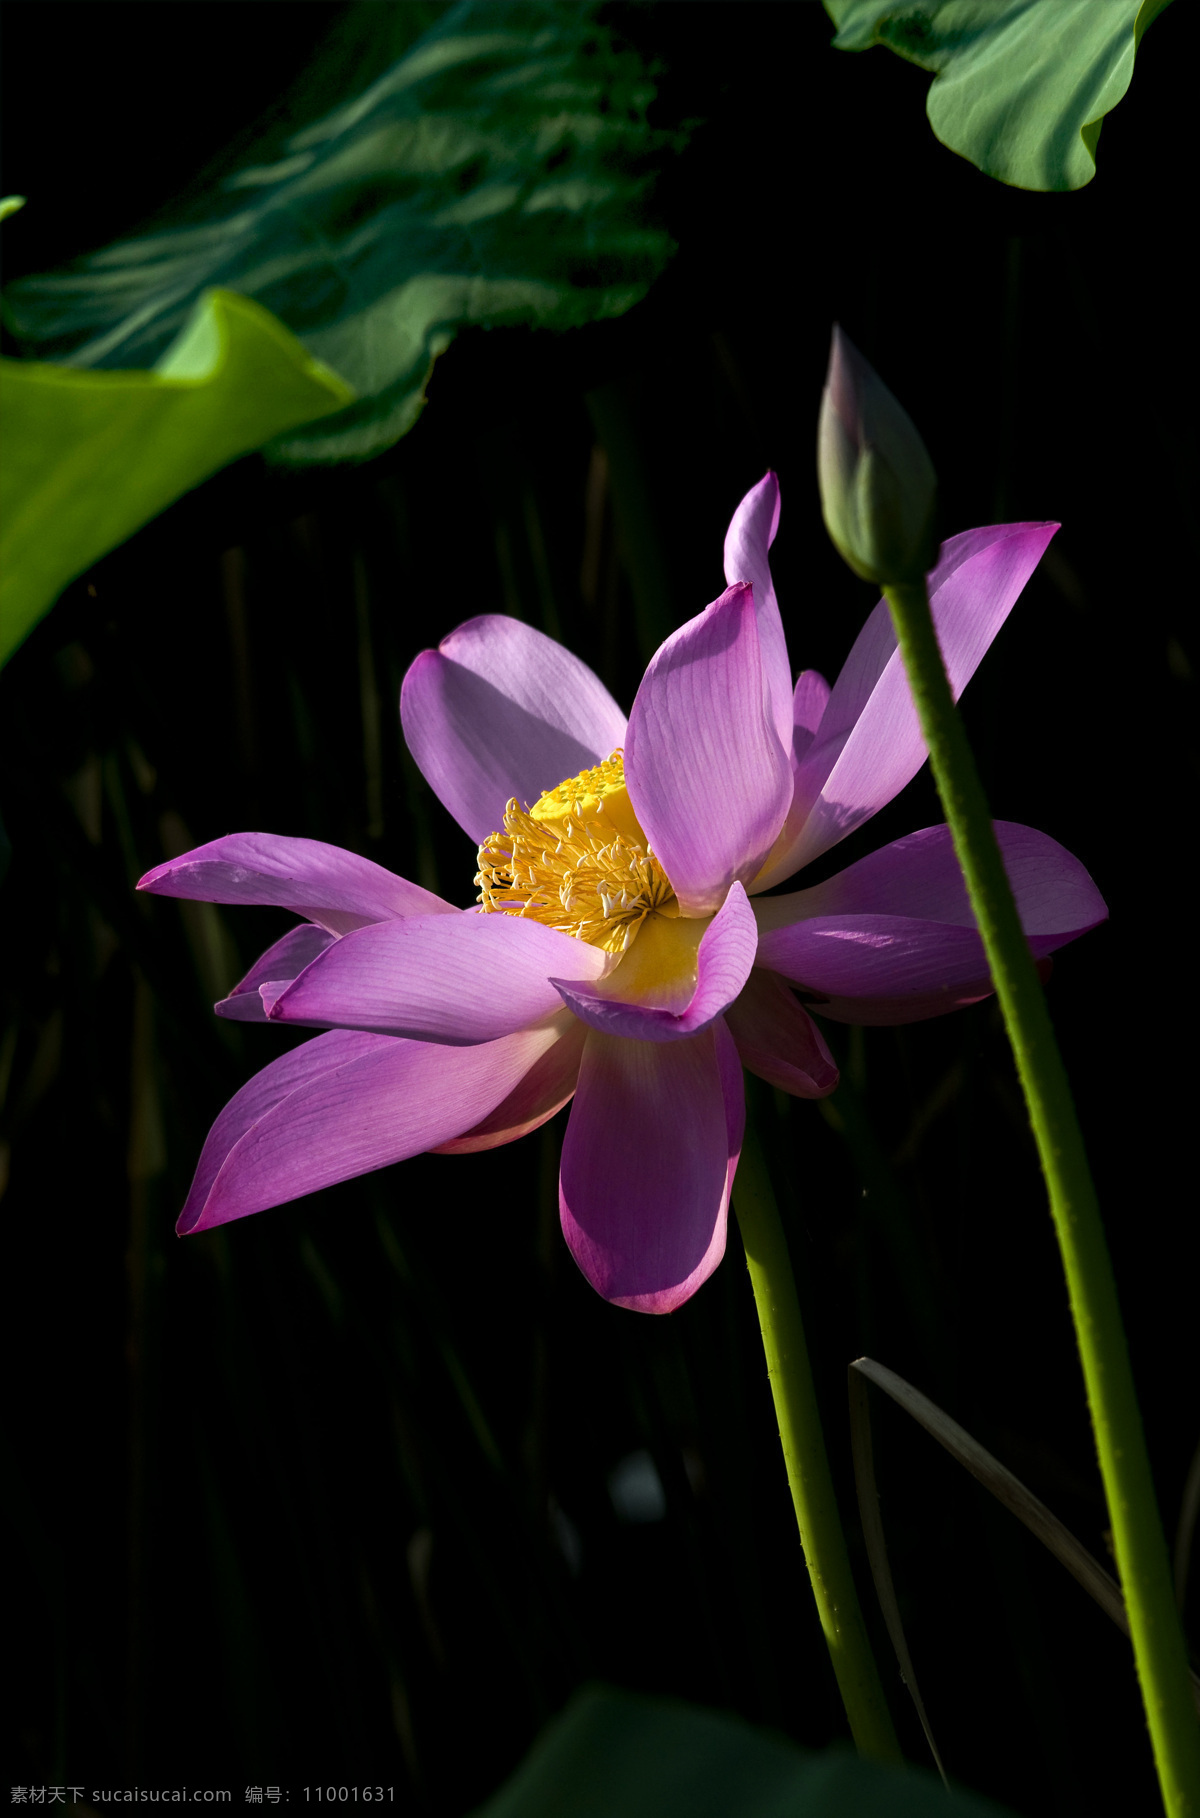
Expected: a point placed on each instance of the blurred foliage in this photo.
(614, 1756)
(495, 172)
(1022, 86)
(342, 1493)
(91, 456)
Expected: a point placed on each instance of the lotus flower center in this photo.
(578, 861)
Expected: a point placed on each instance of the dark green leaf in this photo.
(613, 1755)
(495, 173)
(1022, 85)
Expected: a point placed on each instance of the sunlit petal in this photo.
(336, 889)
(868, 744)
(467, 978)
(707, 775)
(544, 1090)
(500, 710)
(343, 1105)
(747, 542)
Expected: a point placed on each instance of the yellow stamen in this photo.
(578, 861)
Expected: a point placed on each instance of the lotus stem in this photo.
(805, 1457)
(1138, 1540)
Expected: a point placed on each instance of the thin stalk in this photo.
(1138, 1540)
(805, 1457)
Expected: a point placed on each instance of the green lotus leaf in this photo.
(614, 1755)
(91, 456)
(1022, 86)
(490, 167)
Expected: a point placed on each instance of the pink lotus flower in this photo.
(617, 954)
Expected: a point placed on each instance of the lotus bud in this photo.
(877, 482)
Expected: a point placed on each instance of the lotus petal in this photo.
(647, 1165)
(464, 978)
(723, 958)
(336, 889)
(500, 710)
(747, 542)
(707, 775)
(343, 1105)
(544, 1090)
(278, 966)
(868, 744)
(777, 1039)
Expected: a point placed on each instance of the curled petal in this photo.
(723, 961)
(336, 889)
(500, 710)
(544, 1090)
(868, 744)
(269, 992)
(343, 1105)
(278, 966)
(647, 1163)
(777, 1039)
(463, 978)
(747, 542)
(707, 775)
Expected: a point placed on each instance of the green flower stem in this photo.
(1137, 1532)
(804, 1455)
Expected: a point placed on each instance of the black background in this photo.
(288, 1500)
